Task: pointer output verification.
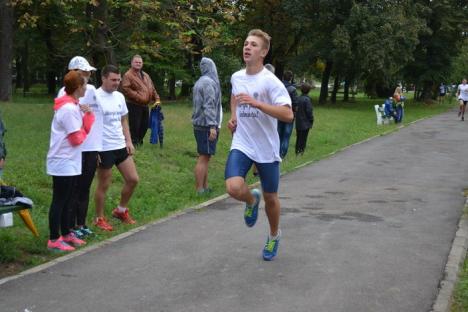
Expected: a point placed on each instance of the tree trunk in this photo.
(427, 94)
(346, 91)
(325, 79)
(172, 87)
(186, 88)
(6, 50)
(279, 69)
(51, 82)
(25, 67)
(336, 87)
(417, 93)
(19, 72)
(103, 53)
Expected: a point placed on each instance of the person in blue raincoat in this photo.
(206, 120)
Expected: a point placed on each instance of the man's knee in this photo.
(270, 198)
(234, 186)
(203, 158)
(132, 180)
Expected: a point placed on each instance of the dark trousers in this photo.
(285, 130)
(301, 140)
(138, 120)
(399, 113)
(59, 212)
(80, 196)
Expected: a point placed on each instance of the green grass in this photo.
(460, 293)
(166, 175)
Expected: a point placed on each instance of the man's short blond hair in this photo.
(136, 56)
(262, 35)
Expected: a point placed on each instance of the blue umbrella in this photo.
(156, 126)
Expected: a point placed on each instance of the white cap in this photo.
(79, 62)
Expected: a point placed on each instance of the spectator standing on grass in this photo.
(258, 101)
(90, 148)
(70, 127)
(3, 150)
(285, 128)
(140, 93)
(117, 149)
(442, 92)
(206, 119)
(462, 96)
(304, 118)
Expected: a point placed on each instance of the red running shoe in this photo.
(101, 223)
(123, 216)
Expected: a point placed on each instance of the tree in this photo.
(6, 50)
(437, 48)
(460, 65)
(385, 36)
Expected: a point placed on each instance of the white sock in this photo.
(121, 209)
(275, 237)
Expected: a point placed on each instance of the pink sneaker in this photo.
(59, 245)
(71, 239)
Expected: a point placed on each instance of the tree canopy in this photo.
(371, 44)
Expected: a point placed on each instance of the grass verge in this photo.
(460, 293)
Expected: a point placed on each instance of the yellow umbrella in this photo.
(26, 216)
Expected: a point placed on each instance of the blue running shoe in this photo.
(251, 212)
(78, 233)
(271, 248)
(86, 231)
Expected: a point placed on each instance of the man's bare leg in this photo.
(237, 189)
(104, 177)
(128, 171)
(272, 209)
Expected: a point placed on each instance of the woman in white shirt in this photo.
(69, 129)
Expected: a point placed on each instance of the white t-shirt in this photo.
(113, 107)
(93, 140)
(256, 134)
(63, 159)
(463, 88)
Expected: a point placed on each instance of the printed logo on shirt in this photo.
(248, 111)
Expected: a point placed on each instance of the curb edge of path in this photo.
(455, 261)
(111, 240)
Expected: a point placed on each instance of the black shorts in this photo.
(114, 157)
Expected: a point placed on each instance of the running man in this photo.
(258, 100)
(462, 96)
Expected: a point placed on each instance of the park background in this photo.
(354, 52)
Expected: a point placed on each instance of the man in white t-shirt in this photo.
(258, 100)
(117, 149)
(462, 96)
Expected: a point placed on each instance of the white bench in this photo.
(382, 119)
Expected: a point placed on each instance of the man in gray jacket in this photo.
(206, 119)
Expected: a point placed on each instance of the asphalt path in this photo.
(367, 229)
